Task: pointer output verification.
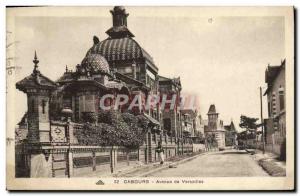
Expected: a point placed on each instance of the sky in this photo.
(221, 59)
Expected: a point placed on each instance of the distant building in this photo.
(230, 135)
(191, 125)
(199, 127)
(202, 123)
(190, 122)
(275, 125)
(215, 127)
(171, 118)
(188, 125)
(21, 130)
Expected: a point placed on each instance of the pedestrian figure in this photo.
(41, 166)
(160, 152)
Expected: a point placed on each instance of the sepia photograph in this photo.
(150, 98)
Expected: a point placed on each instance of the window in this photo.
(269, 108)
(273, 104)
(281, 98)
(32, 105)
(67, 102)
(43, 106)
(138, 76)
(87, 103)
(167, 124)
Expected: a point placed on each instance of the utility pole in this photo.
(262, 120)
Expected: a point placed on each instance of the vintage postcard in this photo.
(150, 98)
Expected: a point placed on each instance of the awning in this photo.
(115, 85)
(152, 120)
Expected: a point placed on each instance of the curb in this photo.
(270, 167)
(250, 151)
(173, 164)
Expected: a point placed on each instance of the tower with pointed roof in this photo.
(38, 89)
(215, 126)
(212, 117)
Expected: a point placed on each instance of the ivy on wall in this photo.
(114, 129)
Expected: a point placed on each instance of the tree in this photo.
(250, 126)
(242, 135)
(114, 129)
(90, 117)
(248, 123)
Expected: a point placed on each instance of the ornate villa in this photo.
(57, 109)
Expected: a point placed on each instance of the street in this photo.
(229, 163)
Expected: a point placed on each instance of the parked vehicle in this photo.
(221, 149)
(241, 147)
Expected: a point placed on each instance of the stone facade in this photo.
(38, 89)
(215, 127)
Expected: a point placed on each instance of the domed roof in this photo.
(120, 49)
(95, 63)
(120, 45)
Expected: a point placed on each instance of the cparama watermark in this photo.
(163, 101)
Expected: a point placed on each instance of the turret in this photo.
(119, 28)
(38, 89)
(119, 16)
(212, 117)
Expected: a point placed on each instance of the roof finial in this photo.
(35, 61)
(67, 68)
(96, 40)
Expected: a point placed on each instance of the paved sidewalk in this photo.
(134, 169)
(270, 163)
(147, 169)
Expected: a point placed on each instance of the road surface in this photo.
(229, 163)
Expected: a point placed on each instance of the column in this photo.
(70, 165)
